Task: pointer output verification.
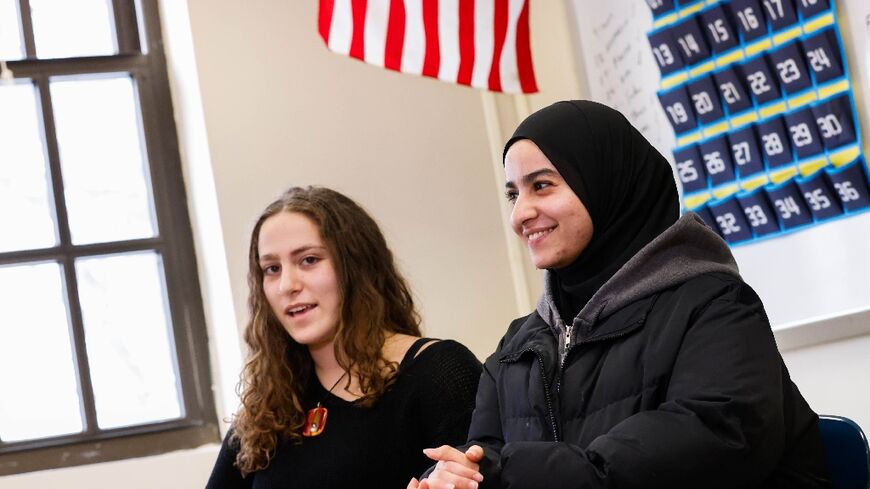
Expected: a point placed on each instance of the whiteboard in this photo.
(618, 65)
(802, 277)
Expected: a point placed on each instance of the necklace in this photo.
(315, 421)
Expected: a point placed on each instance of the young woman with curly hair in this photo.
(339, 389)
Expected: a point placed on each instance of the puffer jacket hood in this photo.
(685, 250)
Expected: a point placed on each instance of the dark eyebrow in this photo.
(298, 251)
(528, 179)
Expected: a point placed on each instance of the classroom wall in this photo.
(281, 110)
(263, 105)
(276, 109)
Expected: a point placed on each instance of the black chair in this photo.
(847, 452)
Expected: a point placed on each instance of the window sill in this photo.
(91, 452)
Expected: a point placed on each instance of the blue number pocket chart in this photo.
(820, 196)
(836, 122)
(823, 56)
(763, 84)
(664, 49)
(809, 9)
(850, 183)
(678, 109)
(730, 220)
(716, 154)
(758, 212)
(780, 13)
(691, 42)
(705, 99)
(775, 143)
(660, 7)
(719, 30)
(790, 68)
(734, 92)
(761, 102)
(690, 170)
(789, 205)
(805, 137)
(750, 19)
(746, 153)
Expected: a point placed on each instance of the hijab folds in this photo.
(623, 181)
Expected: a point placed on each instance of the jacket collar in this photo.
(536, 334)
(685, 250)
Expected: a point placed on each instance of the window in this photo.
(103, 349)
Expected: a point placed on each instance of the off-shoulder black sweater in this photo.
(429, 405)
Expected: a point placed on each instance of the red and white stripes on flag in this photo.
(481, 43)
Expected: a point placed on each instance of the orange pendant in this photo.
(315, 422)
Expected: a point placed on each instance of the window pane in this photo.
(127, 334)
(40, 391)
(102, 157)
(10, 32)
(64, 28)
(26, 217)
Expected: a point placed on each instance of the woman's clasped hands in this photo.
(454, 470)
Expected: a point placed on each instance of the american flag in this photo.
(481, 43)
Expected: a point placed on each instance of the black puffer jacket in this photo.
(669, 378)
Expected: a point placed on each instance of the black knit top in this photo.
(429, 405)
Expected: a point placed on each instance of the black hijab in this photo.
(625, 183)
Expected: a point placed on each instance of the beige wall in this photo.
(278, 109)
(281, 110)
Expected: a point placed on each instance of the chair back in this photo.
(847, 452)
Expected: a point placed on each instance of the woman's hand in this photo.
(454, 470)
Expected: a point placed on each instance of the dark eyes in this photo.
(307, 261)
(538, 185)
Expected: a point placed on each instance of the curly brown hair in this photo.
(375, 301)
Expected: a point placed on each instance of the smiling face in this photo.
(547, 214)
(299, 279)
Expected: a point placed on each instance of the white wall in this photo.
(833, 377)
(264, 105)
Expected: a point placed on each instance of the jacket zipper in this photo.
(568, 350)
(563, 355)
(561, 370)
(550, 412)
(568, 329)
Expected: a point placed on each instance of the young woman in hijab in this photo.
(648, 362)
(339, 390)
